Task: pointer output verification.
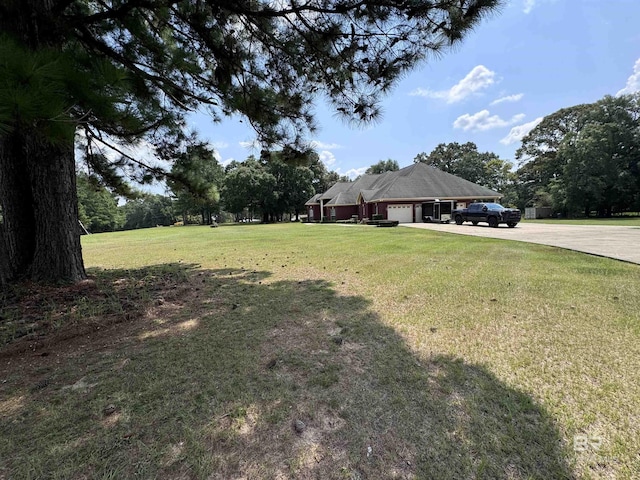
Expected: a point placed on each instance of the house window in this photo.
(333, 213)
(311, 214)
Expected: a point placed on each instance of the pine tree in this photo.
(122, 70)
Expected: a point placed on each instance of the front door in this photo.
(436, 212)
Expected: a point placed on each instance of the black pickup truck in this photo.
(492, 213)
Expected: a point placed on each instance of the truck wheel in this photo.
(458, 220)
(511, 225)
(474, 223)
(493, 222)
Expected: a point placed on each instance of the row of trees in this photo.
(200, 189)
(584, 159)
(465, 161)
(275, 184)
(267, 186)
(99, 210)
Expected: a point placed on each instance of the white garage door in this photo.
(402, 213)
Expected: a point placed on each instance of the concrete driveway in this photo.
(621, 243)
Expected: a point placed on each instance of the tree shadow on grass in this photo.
(229, 374)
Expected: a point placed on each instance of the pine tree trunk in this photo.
(38, 195)
(40, 235)
(58, 253)
(18, 229)
(4, 261)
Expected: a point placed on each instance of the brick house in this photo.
(417, 193)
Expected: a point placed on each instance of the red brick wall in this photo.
(381, 209)
(343, 212)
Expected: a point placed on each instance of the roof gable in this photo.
(315, 200)
(334, 190)
(346, 193)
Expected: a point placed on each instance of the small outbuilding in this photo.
(531, 213)
(417, 193)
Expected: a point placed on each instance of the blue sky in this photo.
(528, 61)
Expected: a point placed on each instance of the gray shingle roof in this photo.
(349, 196)
(423, 181)
(335, 190)
(415, 182)
(315, 200)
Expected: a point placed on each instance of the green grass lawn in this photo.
(324, 351)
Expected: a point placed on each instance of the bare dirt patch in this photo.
(40, 326)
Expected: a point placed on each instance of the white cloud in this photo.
(353, 172)
(318, 145)
(422, 92)
(509, 98)
(250, 145)
(478, 78)
(518, 132)
(483, 120)
(327, 158)
(528, 6)
(226, 162)
(219, 145)
(633, 82)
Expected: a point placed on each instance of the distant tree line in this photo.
(584, 159)
(465, 161)
(200, 190)
(382, 166)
